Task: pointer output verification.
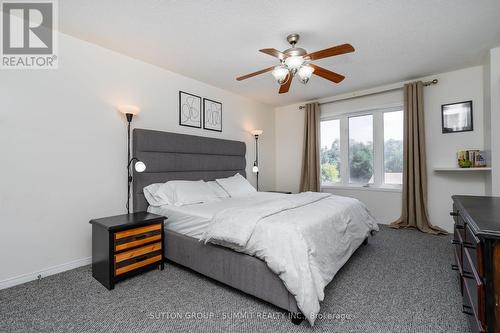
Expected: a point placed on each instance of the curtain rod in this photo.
(427, 83)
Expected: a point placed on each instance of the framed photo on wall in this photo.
(457, 117)
(212, 115)
(189, 110)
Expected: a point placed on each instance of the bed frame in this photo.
(173, 156)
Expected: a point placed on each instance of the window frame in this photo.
(332, 184)
(378, 149)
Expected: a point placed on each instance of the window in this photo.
(393, 147)
(369, 143)
(361, 149)
(330, 151)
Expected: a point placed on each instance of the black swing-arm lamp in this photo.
(139, 166)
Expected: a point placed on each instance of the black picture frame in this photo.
(212, 118)
(466, 107)
(187, 119)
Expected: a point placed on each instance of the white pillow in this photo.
(218, 190)
(190, 192)
(156, 195)
(236, 186)
(179, 193)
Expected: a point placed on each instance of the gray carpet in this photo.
(400, 282)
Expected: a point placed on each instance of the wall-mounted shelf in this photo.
(456, 169)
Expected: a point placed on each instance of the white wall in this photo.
(461, 85)
(492, 103)
(487, 118)
(457, 86)
(63, 147)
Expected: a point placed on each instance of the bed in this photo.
(172, 156)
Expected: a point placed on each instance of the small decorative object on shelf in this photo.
(472, 158)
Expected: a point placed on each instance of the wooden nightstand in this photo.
(126, 245)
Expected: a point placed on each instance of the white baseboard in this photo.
(10, 282)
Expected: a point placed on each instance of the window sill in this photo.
(362, 188)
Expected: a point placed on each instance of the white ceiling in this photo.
(216, 41)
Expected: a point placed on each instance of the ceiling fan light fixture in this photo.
(280, 72)
(293, 63)
(305, 73)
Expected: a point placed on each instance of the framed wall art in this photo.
(189, 110)
(212, 115)
(457, 117)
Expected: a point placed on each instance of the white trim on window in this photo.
(378, 149)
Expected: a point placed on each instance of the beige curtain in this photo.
(414, 213)
(309, 178)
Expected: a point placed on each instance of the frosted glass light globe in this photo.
(140, 166)
(280, 72)
(305, 73)
(293, 63)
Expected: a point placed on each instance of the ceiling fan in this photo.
(295, 61)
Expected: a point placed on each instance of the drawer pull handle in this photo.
(139, 237)
(459, 226)
(465, 309)
(454, 267)
(468, 275)
(455, 242)
(469, 245)
(454, 213)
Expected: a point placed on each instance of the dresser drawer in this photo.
(468, 308)
(473, 287)
(472, 245)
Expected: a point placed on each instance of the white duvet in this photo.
(304, 238)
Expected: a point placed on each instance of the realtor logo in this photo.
(28, 34)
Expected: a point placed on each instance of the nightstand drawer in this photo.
(138, 263)
(137, 252)
(137, 231)
(137, 240)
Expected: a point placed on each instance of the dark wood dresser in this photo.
(476, 242)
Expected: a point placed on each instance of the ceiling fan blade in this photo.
(286, 86)
(255, 73)
(326, 74)
(332, 51)
(274, 53)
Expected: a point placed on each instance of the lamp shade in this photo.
(256, 132)
(294, 63)
(140, 166)
(280, 72)
(129, 109)
(305, 73)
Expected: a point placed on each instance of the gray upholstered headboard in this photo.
(173, 156)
